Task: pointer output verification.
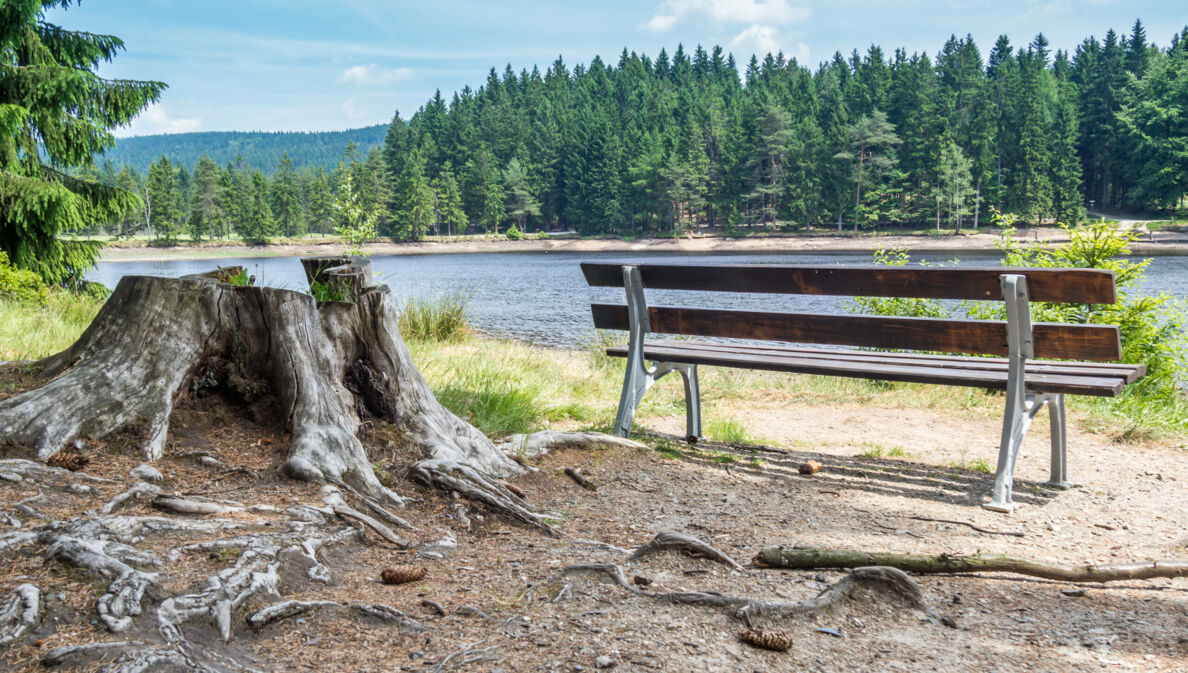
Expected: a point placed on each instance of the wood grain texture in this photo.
(988, 337)
(1082, 286)
(860, 365)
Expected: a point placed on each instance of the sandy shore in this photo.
(1160, 243)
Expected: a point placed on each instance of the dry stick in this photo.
(667, 539)
(805, 558)
(1012, 533)
(580, 478)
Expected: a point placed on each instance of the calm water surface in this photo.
(543, 298)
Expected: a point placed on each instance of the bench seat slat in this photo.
(1128, 372)
(1053, 341)
(861, 367)
(1083, 286)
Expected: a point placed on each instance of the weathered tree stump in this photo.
(328, 364)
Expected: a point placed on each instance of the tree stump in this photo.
(329, 365)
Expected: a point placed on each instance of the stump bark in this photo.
(329, 366)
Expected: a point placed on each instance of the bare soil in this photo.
(739, 499)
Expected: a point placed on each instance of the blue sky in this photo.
(322, 65)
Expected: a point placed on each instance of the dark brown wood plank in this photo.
(1101, 386)
(1084, 286)
(1052, 340)
(1128, 373)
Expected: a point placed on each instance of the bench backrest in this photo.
(988, 337)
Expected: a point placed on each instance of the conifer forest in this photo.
(686, 139)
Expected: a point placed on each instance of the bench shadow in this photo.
(899, 477)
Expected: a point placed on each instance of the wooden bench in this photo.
(1026, 367)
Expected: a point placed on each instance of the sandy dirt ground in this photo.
(498, 584)
(1156, 243)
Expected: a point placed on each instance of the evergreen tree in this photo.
(521, 203)
(413, 213)
(56, 113)
(286, 197)
(953, 185)
(356, 219)
(767, 164)
(319, 202)
(449, 201)
(206, 210)
(871, 141)
(165, 216)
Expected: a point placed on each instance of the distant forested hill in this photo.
(260, 149)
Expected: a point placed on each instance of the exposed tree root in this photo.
(667, 539)
(19, 612)
(540, 443)
(808, 557)
(333, 499)
(885, 582)
(77, 655)
(476, 485)
(133, 492)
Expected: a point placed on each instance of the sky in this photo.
(310, 65)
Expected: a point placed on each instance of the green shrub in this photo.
(20, 284)
(438, 319)
(902, 306)
(513, 234)
(1152, 327)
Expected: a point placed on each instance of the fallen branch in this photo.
(580, 479)
(1011, 533)
(805, 558)
(667, 539)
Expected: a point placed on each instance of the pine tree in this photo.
(319, 202)
(413, 200)
(953, 184)
(55, 114)
(206, 210)
(767, 164)
(449, 201)
(164, 212)
(871, 141)
(521, 202)
(286, 198)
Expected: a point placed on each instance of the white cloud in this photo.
(349, 109)
(762, 40)
(769, 12)
(156, 119)
(372, 75)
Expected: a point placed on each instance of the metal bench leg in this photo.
(636, 382)
(692, 403)
(1056, 418)
(1019, 414)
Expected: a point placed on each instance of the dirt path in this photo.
(738, 499)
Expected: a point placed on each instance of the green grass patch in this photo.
(730, 431)
(32, 330)
(972, 465)
(443, 318)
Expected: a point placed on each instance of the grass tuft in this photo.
(444, 318)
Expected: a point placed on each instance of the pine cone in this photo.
(768, 640)
(402, 574)
(810, 467)
(68, 461)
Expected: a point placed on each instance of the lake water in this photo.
(543, 297)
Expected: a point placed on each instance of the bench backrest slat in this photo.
(989, 337)
(1083, 286)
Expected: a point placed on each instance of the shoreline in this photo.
(1162, 243)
